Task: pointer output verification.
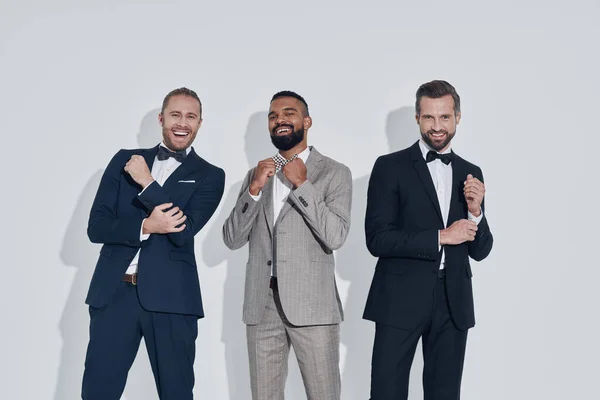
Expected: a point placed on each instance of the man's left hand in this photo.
(137, 168)
(295, 172)
(474, 191)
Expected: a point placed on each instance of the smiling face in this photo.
(288, 123)
(437, 121)
(180, 122)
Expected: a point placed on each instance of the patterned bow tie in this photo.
(445, 158)
(281, 162)
(164, 154)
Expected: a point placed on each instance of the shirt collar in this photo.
(304, 154)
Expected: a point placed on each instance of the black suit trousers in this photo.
(443, 354)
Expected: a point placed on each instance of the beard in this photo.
(166, 132)
(288, 141)
(437, 146)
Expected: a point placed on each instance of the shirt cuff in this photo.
(146, 187)
(439, 240)
(255, 198)
(475, 219)
(142, 235)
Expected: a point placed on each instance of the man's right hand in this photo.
(264, 170)
(162, 221)
(459, 232)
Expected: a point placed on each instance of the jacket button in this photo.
(244, 208)
(269, 263)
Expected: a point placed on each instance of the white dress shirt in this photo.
(281, 190)
(161, 170)
(441, 174)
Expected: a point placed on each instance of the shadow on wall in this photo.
(356, 265)
(79, 253)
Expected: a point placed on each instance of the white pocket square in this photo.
(192, 181)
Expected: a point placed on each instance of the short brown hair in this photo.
(435, 90)
(181, 91)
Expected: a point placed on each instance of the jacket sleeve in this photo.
(104, 224)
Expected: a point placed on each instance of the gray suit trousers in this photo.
(316, 348)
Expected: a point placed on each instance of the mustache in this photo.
(432, 131)
(283, 126)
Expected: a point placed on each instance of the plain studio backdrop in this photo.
(79, 80)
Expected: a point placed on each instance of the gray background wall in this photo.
(79, 80)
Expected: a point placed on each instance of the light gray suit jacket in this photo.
(313, 222)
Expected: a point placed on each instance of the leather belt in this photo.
(130, 278)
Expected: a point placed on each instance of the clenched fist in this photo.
(474, 191)
(264, 170)
(295, 172)
(459, 232)
(162, 221)
(137, 168)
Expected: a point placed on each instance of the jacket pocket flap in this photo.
(391, 269)
(176, 255)
(469, 272)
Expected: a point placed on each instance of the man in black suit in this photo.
(425, 218)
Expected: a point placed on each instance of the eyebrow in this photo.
(179, 112)
(285, 109)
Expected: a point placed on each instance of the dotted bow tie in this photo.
(281, 162)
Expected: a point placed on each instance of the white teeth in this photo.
(283, 130)
(180, 133)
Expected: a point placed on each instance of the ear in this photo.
(307, 122)
(458, 118)
(417, 118)
(160, 119)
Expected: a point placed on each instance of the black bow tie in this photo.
(445, 158)
(164, 154)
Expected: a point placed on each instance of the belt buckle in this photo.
(134, 279)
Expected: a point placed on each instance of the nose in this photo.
(436, 124)
(280, 119)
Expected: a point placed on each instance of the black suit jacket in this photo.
(167, 274)
(401, 225)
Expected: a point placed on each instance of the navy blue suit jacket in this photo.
(167, 274)
(402, 222)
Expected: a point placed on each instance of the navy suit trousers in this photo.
(115, 334)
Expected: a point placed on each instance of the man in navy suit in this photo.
(149, 206)
(424, 220)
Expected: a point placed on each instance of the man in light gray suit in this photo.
(294, 209)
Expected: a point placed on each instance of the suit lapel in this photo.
(149, 155)
(313, 167)
(189, 165)
(425, 177)
(267, 202)
(457, 200)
